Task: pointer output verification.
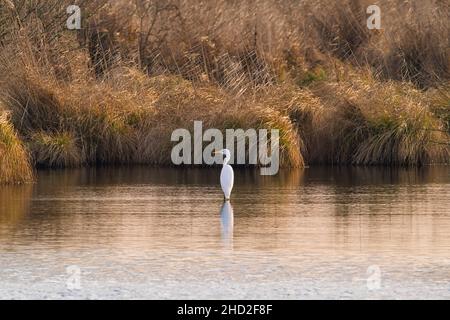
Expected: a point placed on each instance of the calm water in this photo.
(165, 233)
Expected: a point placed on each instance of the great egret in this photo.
(227, 174)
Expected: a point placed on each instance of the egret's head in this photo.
(224, 152)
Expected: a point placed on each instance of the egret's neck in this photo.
(226, 160)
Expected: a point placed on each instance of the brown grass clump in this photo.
(180, 104)
(14, 161)
(381, 123)
(303, 109)
(177, 105)
(110, 123)
(55, 150)
(261, 117)
(70, 125)
(439, 100)
(101, 119)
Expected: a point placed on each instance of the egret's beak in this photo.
(216, 152)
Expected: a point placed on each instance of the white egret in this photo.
(227, 174)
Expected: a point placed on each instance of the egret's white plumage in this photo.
(227, 174)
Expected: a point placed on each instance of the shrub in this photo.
(14, 160)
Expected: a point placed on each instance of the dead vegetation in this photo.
(114, 91)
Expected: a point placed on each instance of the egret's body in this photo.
(227, 180)
(226, 175)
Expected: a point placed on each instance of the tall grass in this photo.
(114, 91)
(14, 161)
(370, 122)
(105, 123)
(55, 150)
(439, 101)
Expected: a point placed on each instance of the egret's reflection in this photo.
(227, 222)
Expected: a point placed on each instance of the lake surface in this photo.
(321, 232)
